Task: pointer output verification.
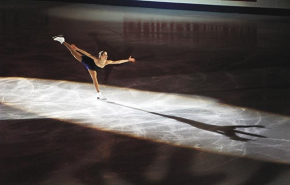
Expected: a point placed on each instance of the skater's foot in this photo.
(59, 38)
(100, 96)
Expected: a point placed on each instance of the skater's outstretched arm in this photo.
(130, 59)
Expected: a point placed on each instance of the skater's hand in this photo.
(131, 59)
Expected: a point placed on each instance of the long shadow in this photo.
(228, 131)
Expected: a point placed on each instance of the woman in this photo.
(92, 63)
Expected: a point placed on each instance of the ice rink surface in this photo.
(207, 101)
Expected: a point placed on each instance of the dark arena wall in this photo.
(264, 7)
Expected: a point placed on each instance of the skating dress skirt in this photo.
(89, 63)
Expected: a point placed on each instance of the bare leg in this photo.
(96, 84)
(77, 55)
(94, 78)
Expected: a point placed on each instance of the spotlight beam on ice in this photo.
(184, 120)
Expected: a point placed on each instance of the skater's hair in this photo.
(101, 53)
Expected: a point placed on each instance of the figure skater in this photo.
(92, 63)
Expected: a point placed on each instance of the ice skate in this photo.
(59, 38)
(101, 97)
